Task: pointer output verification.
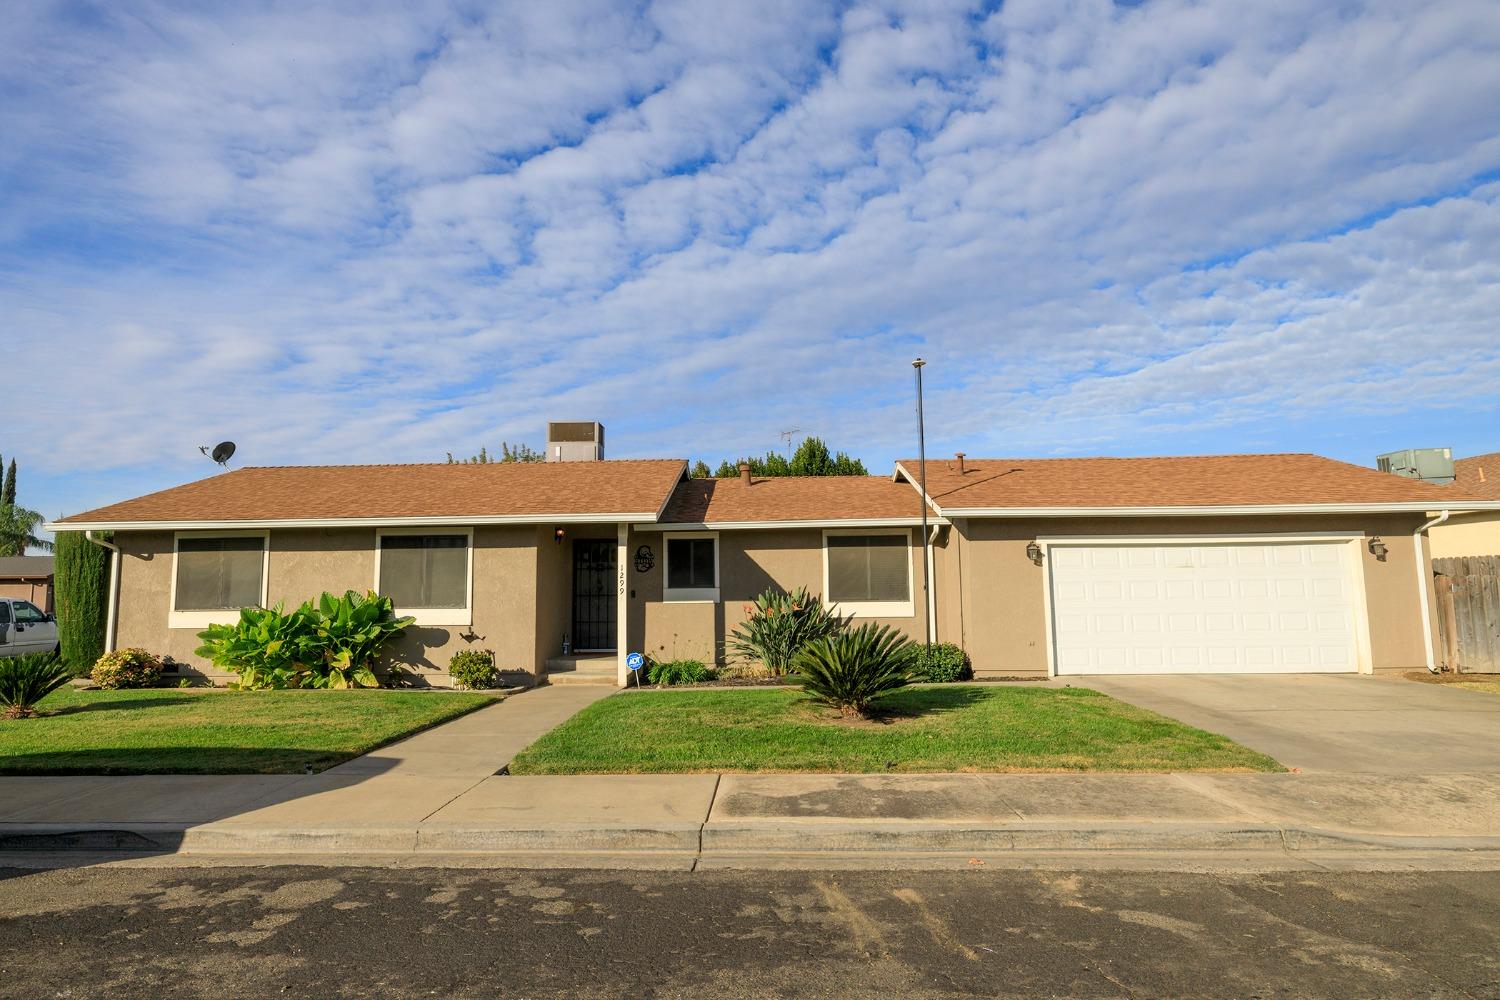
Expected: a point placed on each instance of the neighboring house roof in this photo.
(509, 492)
(793, 499)
(25, 567)
(1212, 483)
(1479, 475)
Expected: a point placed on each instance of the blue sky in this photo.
(338, 235)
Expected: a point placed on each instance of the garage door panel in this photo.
(1203, 607)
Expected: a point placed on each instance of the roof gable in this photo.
(776, 499)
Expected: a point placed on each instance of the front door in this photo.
(594, 568)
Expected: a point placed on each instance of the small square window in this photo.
(692, 568)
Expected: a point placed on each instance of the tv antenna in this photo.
(221, 452)
(786, 438)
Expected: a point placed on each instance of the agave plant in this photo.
(26, 680)
(852, 669)
(780, 625)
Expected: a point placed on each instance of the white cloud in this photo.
(338, 234)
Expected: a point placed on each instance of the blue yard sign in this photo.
(635, 661)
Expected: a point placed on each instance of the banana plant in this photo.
(331, 644)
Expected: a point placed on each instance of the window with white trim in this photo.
(692, 567)
(868, 573)
(215, 575)
(427, 575)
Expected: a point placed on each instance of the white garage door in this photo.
(1279, 607)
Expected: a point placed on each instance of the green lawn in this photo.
(184, 731)
(953, 728)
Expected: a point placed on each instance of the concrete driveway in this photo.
(1327, 722)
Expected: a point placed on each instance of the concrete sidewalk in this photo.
(729, 819)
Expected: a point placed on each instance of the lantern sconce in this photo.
(559, 535)
(1034, 553)
(1378, 548)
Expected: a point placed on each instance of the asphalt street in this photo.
(357, 932)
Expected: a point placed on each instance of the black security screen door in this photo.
(594, 570)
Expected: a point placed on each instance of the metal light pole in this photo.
(922, 475)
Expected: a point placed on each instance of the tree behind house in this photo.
(812, 458)
(508, 453)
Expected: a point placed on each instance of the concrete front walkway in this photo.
(1330, 722)
(398, 785)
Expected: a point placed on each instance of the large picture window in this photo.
(427, 575)
(215, 575)
(692, 568)
(868, 574)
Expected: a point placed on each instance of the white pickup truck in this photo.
(25, 628)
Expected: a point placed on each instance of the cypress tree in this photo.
(8, 493)
(81, 579)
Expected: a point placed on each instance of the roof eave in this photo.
(1201, 510)
(455, 520)
(846, 522)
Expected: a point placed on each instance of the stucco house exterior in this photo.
(1476, 533)
(1037, 567)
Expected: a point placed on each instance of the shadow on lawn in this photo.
(916, 703)
(115, 761)
(122, 704)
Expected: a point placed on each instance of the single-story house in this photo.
(1477, 533)
(27, 578)
(1036, 567)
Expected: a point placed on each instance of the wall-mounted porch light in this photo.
(1034, 553)
(1377, 548)
(559, 535)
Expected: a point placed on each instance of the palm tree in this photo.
(18, 531)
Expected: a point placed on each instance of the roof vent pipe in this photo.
(745, 473)
(960, 457)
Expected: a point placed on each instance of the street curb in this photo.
(709, 841)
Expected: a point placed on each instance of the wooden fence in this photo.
(1468, 612)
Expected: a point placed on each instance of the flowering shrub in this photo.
(126, 668)
(779, 625)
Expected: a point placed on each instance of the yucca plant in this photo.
(849, 671)
(26, 680)
(780, 625)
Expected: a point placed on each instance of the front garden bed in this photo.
(918, 729)
(183, 731)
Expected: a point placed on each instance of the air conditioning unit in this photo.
(575, 441)
(1431, 465)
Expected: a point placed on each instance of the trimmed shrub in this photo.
(81, 580)
(850, 670)
(473, 669)
(780, 625)
(941, 663)
(126, 668)
(678, 672)
(331, 645)
(26, 680)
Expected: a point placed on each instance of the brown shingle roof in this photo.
(368, 492)
(1188, 481)
(1479, 475)
(792, 498)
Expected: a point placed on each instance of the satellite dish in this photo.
(221, 453)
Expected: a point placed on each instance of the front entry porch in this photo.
(583, 668)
